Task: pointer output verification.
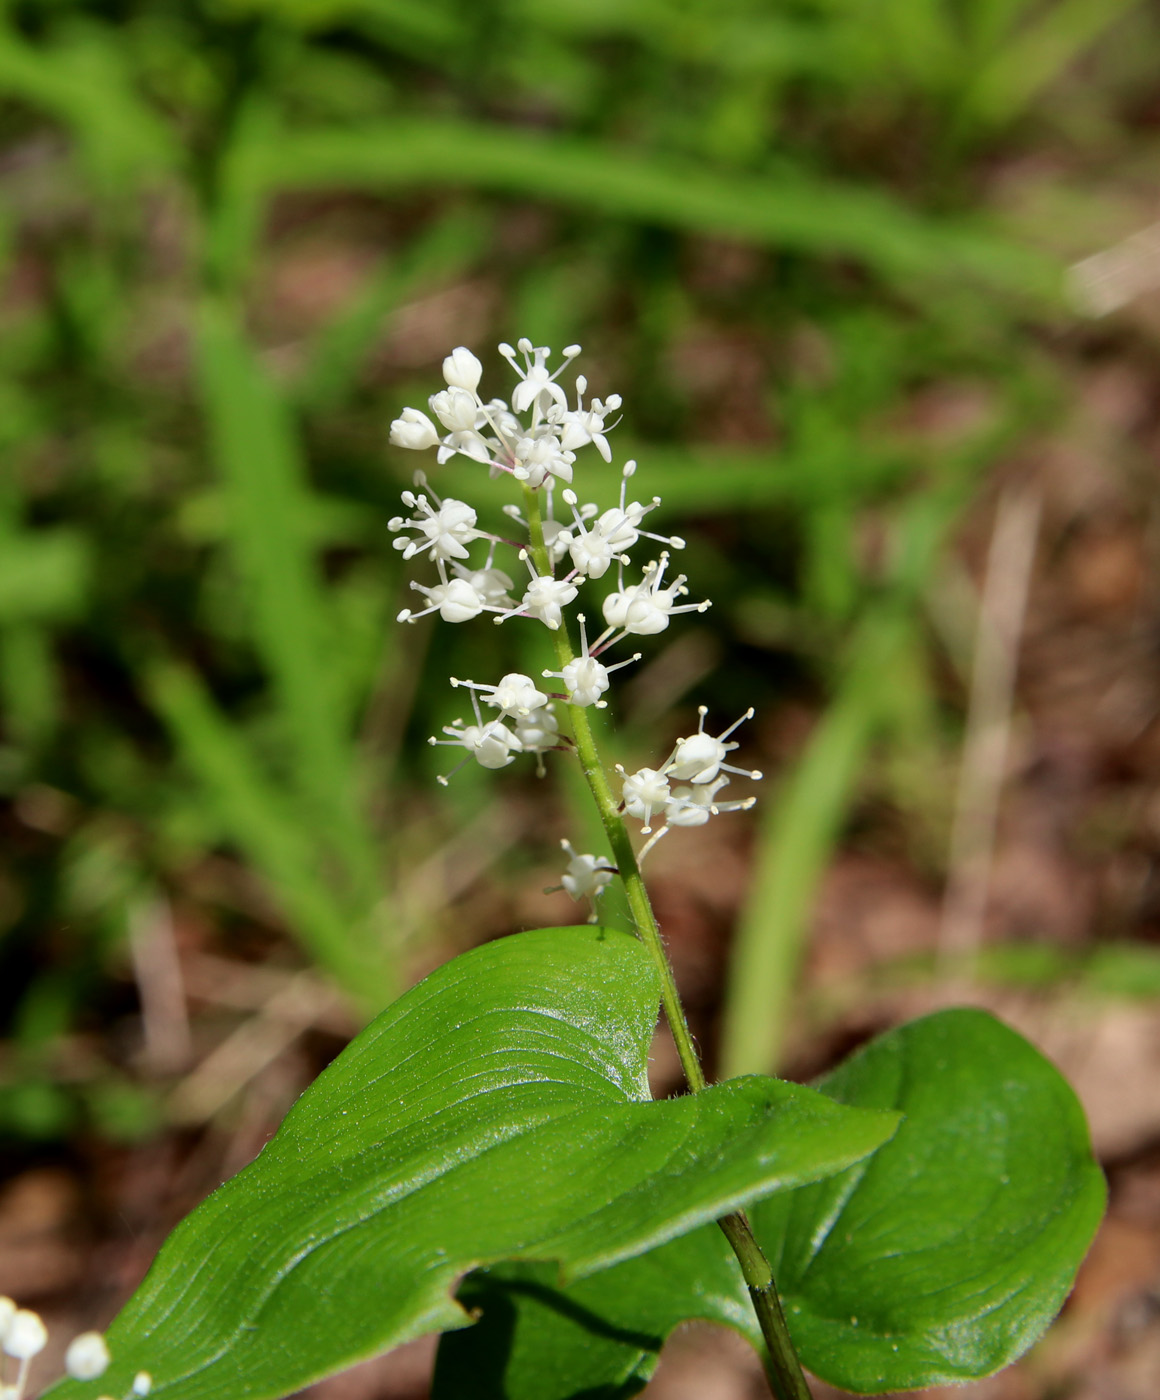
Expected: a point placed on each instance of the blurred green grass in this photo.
(769, 220)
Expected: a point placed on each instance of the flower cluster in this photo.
(697, 764)
(533, 440)
(23, 1337)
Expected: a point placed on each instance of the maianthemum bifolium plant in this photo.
(485, 1160)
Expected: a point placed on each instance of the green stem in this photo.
(782, 1366)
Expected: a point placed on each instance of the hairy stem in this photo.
(782, 1366)
(781, 1363)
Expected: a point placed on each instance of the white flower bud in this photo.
(87, 1357)
(26, 1335)
(615, 606)
(414, 430)
(462, 370)
(142, 1384)
(456, 409)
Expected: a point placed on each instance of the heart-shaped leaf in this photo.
(497, 1111)
(947, 1258)
(939, 1259)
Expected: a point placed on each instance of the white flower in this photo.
(25, 1336)
(644, 792)
(462, 370)
(586, 679)
(645, 609)
(515, 695)
(538, 730)
(414, 429)
(698, 758)
(581, 425)
(621, 524)
(544, 598)
(87, 1357)
(456, 409)
(586, 876)
(455, 600)
(492, 585)
(535, 381)
(142, 1384)
(444, 532)
(540, 456)
(492, 745)
(693, 806)
(592, 551)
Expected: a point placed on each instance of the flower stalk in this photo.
(615, 830)
(540, 454)
(782, 1365)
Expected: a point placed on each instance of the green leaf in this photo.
(600, 1337)
(497, 1111)
(939, 1259)
(949, 1254)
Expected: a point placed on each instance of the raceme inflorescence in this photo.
(558, 544)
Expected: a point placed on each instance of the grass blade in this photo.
(808, 213)
(794, 848)
(257, 455)
(258, 817)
